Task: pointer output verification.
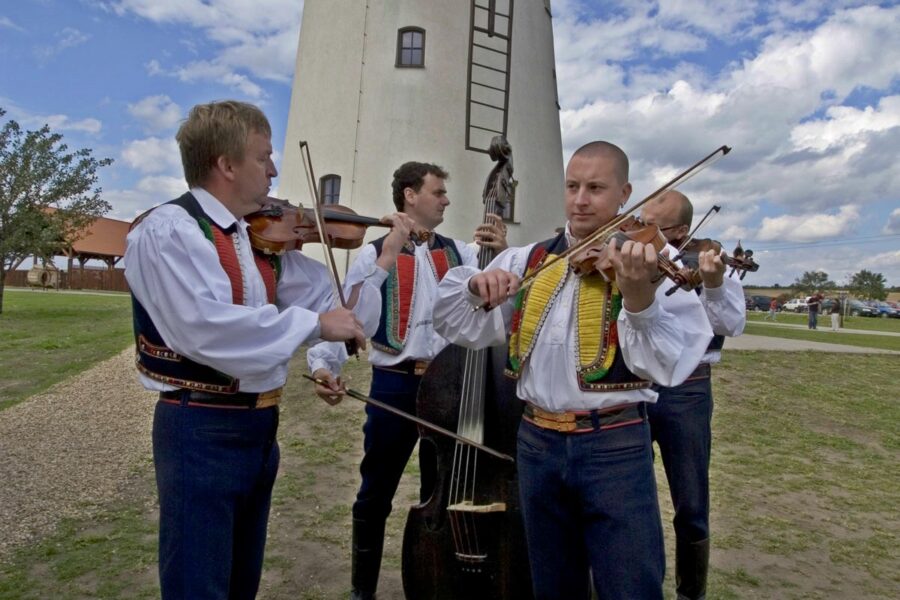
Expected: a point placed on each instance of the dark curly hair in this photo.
(412, 175)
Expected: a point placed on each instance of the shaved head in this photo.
(605, 149)
(678, 203)
(672, 213)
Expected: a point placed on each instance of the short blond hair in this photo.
(217, 129)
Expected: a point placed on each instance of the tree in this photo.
(868, 285)
(813, 281)
(37, 174)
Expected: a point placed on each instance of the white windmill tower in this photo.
(381, 82)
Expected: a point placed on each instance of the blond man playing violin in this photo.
(215, 327)
(585, 352)
(402, 346)
(680, 420)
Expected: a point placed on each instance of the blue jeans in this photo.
(215, 469)
(680, 425)
(388, 442)
(590, 508)
(813, 316)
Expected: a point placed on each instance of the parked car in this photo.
(885, 310)
(795, 305)
(857, 308)
(759, 302)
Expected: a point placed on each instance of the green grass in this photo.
(46, 337)
(110, 556)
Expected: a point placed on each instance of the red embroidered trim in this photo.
(229, 259)
(441, 263)
(406, 277)
(268, 275)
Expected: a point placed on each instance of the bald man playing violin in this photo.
(585, 352)
(403, 345)
(216, 324)
(680, 420)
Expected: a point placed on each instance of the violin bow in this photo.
(605, 230)
(323, 237)
(420, 421)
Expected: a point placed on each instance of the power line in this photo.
(845, 242)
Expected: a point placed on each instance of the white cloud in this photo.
(152, 155)
(810, 227)
(149, 192)
(797, 147)
(885, 260)
(158, 113)
(59, 123)
(68, 37)
(843, 123)
(893, 223)
(163, 186)
(256, 39)
(9, 24)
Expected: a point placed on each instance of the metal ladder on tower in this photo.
(487, 94)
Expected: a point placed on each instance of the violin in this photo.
(280, 226)
(741, 261)
(594, 258)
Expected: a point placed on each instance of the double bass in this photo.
(467, 539)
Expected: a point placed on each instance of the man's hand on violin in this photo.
(492, 234)
(712, 268)
(636, 267)
(401, 226)
(494, 286)
(341, 324)
(332, 388)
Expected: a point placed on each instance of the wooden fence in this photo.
(87, 279)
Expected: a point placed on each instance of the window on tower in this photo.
(330, 189)
(411, 47)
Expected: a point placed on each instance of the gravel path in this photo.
(67, 451)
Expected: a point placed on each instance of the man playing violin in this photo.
(680, 420)
(215, 326)
(585, 351)
(403, 345)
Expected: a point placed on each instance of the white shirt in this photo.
(422, 343)
(726, 310)
(174, 272)
(663, 343)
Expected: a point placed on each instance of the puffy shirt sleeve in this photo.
(725, 307)
(665, 341)
(455, 317)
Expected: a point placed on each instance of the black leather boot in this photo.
(691, 566)
(368, 542)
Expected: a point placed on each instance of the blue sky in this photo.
(806, 92)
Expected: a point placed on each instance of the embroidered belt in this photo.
(407, 367)
(243, 400)
(585, 421)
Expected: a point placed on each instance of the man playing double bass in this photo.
(404, 343)
(585, 352)
(680, 420)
